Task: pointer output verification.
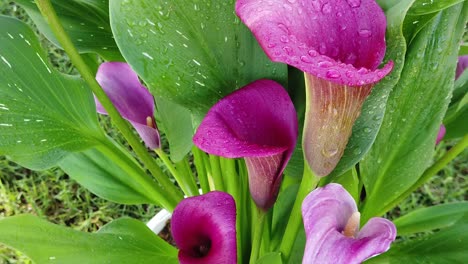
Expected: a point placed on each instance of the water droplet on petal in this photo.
(325, 64)
(333, 74)
(354, 3)
(365, 33)
(313, 53)
(326, 8)
(306, 59)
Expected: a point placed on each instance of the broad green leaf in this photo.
(122, 241)
(431, 218)
(447, 246)
(421, 13)
(423, 7)
(405, 144)
(190, 52)
(109, 175)
(85, 21)
(44, 115)
(270, 258)
(367, 125)
(176, 123)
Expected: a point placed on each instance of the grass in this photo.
(52, 195)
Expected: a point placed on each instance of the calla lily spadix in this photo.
(257, 122)
(331, 222)
(133, 101)
(339, 45)
(204, 229)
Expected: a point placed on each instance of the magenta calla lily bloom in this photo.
(133, 101)
(257, 122)
(204, 229)
(339, 45)
(331, 222)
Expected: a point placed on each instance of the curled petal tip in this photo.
(257, 122)
(331, 222)
(204, 229)
(133, 101)
(340, 42)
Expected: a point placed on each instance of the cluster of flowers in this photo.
(339, 47)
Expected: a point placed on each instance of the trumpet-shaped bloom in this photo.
(331, 222)
(133, 101)
(339, 45)
(204, 229)
(257, 122)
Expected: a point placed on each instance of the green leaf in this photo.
(405, 144)
(44, 115)
(431, 218)
(190, 52)
(367, 125)
(297, 252)
(270, 258)
(176, 122)
(122, 241)
(108, 176)
(85, 21)
(423, 7)
(447, 246)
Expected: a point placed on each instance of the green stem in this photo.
(428, 173)
(198, 159)
(50, 16)
(188, 175)
(309, 181)
(257, 237)
(185, 185)
(216, 173)
(150, 188)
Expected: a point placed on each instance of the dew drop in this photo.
(325, 64)
(313, 53)
(326, 8)
(333, 74)
(365, 33)
(354, 3)
(329, 152)
(284, 39)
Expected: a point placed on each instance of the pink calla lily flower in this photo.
(204, 229)
(133, 101)
(257, 122)
(331, 222)
(339, 45)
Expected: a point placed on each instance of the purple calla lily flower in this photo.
(204, 229)
(331, 222)
(133, 101)
(257, 122)
(339, 46)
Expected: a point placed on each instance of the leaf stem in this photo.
(309, 181)
(50, 16)
(187, 187)
(216, 173)
(257, 237)
(198, 159)
(428, 173)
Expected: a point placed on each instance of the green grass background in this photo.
(52, 195)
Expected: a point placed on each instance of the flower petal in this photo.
(257, 122)
(204, 229)
(331, 111)
(133, 101)
(326, 212)
(441, 134)
(343, 42)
